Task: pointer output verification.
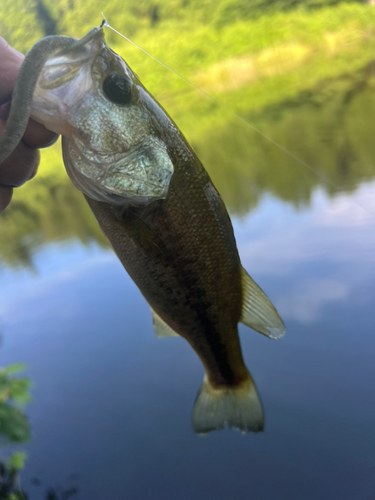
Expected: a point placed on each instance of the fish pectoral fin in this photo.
(161, 328)
(237, 407)
(258, 311)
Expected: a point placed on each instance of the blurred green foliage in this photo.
(300, 72)
(14, 427)
(14, 394)
(9, 477)
(231, 11)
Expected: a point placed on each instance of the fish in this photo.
(158, 207)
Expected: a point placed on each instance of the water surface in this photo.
(112, 403)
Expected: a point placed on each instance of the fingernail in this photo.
(50, 143)
(5, 197)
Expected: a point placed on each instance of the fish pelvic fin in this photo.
(258, 311)
(237, 407)
(161, 328)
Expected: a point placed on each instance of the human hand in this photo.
(22, 164)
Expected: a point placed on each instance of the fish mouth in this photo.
(93, 35)
(63, 66)
(64, 81)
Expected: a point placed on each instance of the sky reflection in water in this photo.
(112, 403)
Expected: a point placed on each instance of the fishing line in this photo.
(289, 153)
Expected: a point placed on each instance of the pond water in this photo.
(111, 403)
(111, 409)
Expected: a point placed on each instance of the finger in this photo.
(34, 170)
(19, 166)
(5, 197)
(4, 111)
(37, 136)
(11, 61)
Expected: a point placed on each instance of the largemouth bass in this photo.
(158, 207)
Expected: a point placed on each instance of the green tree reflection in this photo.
(305, 78)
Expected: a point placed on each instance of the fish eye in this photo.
(117, 87)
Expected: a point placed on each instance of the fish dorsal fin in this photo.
(161, 328)
(257, 310)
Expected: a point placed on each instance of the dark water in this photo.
(111, 405)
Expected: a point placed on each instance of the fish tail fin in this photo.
(239, 407)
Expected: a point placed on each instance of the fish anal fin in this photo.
(161, 328)
(258, 311)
